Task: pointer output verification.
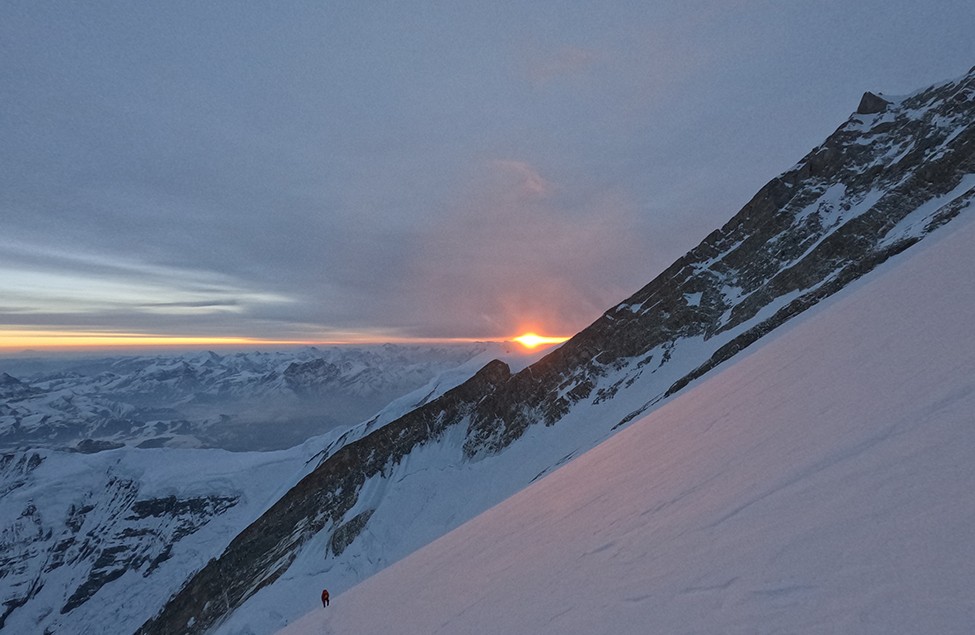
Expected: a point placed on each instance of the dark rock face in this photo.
(91, 446)
(15, 468)
(805, 235)
(141, 546)
(871, 104)
(304, 377)
(13, 388)
(348, 532)
(263, 551)
(887, 177)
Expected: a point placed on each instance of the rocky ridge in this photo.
(885, 179)
(106, 529)
(95, 537)
(876, 186)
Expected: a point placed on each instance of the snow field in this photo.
(821, 483)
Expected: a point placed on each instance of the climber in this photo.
(324, 597)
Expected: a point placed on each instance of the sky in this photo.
(347, 171)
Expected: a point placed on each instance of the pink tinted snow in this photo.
(820, 484)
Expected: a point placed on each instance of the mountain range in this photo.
(821, 483)
(237, 401)
(340, 508)
(83, 525)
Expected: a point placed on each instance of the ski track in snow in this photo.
(819, 484)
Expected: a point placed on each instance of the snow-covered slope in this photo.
(88, 542)
(896, 171)
(820, 484)
(95, 541)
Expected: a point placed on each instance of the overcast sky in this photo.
(338, 170)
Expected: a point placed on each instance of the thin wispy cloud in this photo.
(40, 283)
(521, 179)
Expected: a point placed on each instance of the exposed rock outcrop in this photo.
(886, 178)
(871, 104)
(263, 551)
(872, 189)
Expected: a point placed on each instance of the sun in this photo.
(533, 340)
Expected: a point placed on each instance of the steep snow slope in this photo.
(820, 484)
(96, 542)
(896, 171)
(89, 542)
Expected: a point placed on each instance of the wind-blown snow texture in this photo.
(821, 484)
(885, 179)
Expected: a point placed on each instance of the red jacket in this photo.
(325, 597)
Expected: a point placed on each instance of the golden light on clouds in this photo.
(15, 340)
(21, 340)
(532, 340)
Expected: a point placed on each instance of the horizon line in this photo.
(26, 342)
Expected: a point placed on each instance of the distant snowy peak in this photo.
(884, 180)
(13, 388)
(211, 400)
(365, 369)
(89, 542)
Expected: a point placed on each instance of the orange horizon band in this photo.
(24, 339)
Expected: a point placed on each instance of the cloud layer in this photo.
(407, 171)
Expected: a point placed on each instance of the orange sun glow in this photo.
(532, 340)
